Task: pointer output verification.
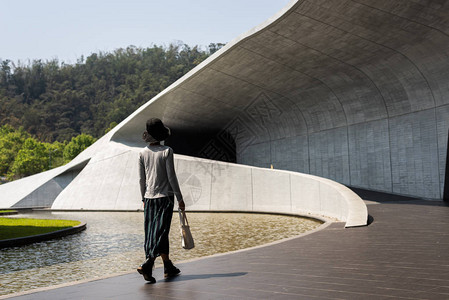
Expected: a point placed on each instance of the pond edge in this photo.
(42, 237)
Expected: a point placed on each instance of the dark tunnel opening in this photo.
(210, 144)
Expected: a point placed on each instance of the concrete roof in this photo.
(328, 63)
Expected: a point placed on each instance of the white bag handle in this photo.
(183, 218)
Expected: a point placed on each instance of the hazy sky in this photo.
(67, 29)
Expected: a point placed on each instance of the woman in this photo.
(158, 186)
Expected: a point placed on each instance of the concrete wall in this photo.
(112, 184)
(404, 155)
(232, 187)
(45, 195)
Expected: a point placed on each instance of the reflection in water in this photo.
(113, 242)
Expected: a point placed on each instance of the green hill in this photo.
(55, 101)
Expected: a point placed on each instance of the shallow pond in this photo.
(113, 243)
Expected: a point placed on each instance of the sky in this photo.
(67, 29)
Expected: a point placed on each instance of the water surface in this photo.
(113, 243)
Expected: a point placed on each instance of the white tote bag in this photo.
(186, 236)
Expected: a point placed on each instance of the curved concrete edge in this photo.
(357, 210)
(354, 210)
(12, 193)
(234, 187)
(42, 237)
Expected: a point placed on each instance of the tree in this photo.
(215, 47)
(11, 141)
(55, 101)
(111, 126)
(31, 159)
(77, 145)
(23, 155)
(55, 153)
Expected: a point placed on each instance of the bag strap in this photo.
(183, 218)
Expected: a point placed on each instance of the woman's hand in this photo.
(182, 205)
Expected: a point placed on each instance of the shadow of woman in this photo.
(204, 276)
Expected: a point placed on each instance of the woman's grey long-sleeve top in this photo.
(157, 175)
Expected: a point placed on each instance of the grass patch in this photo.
(14, 227)
(7, 211)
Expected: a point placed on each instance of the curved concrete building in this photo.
(352, 91)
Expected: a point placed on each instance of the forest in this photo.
(47, 106)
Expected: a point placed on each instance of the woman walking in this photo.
(158, 186)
